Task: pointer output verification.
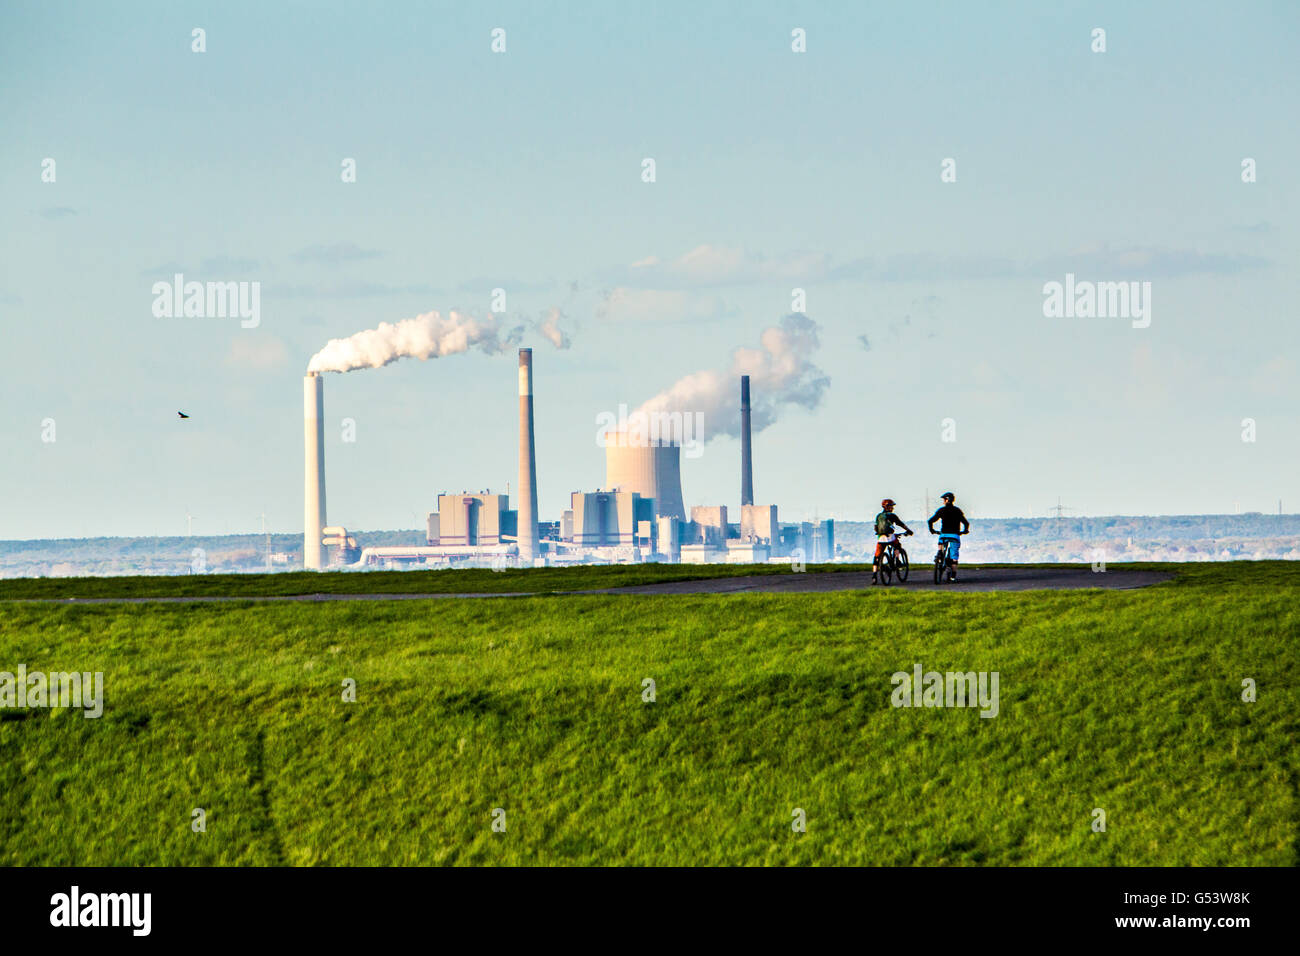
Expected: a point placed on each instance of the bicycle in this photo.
(893, 562)
(943, 569)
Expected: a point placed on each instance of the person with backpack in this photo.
(952, 524)
(885, 533)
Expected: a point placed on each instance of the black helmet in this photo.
(949, 495)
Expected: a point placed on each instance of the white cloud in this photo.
(1277, 377)
(256, 351)
(624, 304)
(709, 265)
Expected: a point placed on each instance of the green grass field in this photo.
(1129, 701)
(461, 581)
(465, 581)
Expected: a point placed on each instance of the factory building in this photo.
(669, 541)
(470, 520)
(702, 554)
(709, 525)
(759, 537)
(608, 526)
(643, 516)
(468, 530)
(610, 518)
(341, 546)
(815, 540)
(758, 524)
(640, 514)
(650, 468)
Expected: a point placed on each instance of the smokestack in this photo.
(313, 436)
(527, 530)
(746, 451)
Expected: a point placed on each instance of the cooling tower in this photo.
(746, 450)
(650, 470)
(527, 530)
(313, 436)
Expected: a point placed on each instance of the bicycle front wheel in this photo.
(902, 566)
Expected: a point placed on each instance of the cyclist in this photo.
(885, 533)
(952, 523)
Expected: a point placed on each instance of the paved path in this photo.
(972, 579)
(922, 578)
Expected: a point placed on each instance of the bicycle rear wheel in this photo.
(939, 561)
(887, 565)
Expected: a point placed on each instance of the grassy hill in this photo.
(458, 581)
(1129, 701)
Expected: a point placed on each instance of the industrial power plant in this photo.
(638, 515)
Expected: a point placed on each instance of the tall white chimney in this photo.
(313, 436)
(527, 530)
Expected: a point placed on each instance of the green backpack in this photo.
(883, 523)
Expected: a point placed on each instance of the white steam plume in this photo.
(549, 329)
(425, 336)
(781, 373)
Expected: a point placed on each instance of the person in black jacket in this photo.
(952, 524)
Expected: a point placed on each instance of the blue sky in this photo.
(775, 170)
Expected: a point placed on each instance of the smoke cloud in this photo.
(549, 329)
(781, 373)
(426, 336)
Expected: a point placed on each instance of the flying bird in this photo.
(182, 415)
